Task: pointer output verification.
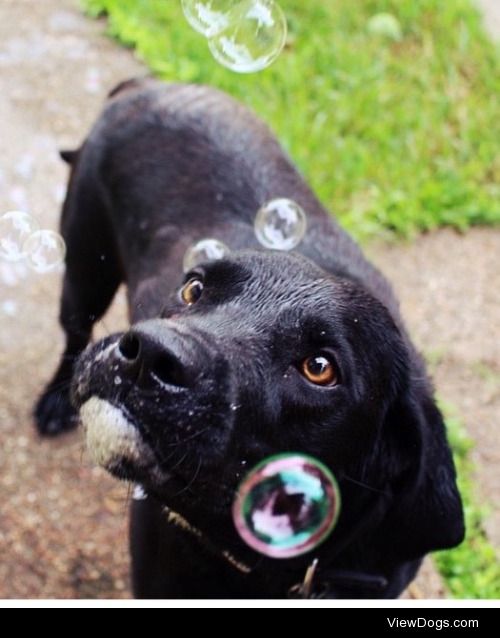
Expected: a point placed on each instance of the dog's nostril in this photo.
(168, 370)
(130, 347)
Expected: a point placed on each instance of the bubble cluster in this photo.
(281, 224)
(245, 36)
(45, 251)
(288, 505)
(204, 251)
(15, 228)
(21, 240)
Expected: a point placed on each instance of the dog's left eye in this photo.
(320, 370)
(192, 291)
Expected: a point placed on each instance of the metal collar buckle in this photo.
(305, 590)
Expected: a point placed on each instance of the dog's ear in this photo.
(426, 512)
(68, 156)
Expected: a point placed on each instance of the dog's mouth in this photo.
(114, 442)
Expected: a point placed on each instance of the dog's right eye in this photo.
(192, 291)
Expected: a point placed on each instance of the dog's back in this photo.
(178, 163)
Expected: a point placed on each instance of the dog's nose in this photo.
(148, 360)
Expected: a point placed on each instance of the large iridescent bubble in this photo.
(288, 505)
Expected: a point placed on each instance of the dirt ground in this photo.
(63, 522)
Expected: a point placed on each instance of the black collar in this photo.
(319, 581)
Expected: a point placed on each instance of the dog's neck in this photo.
(314, 579)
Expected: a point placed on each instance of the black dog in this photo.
(259, 353)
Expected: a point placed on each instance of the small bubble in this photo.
(15, 228)
(24, 167)
(9, 308)
(254, 37)
(203, 252)
(208, 17)
(281, 224)
(45, 251)
(385, 25)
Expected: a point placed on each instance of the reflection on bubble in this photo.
(208, 17)
(15, 228)
(281, 224)
(253, 38)
(45, 251)
(204, 251)
(287, 506)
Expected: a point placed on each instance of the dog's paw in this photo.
(54, 413)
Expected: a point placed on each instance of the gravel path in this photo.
(63, 523)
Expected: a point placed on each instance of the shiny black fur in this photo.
(217, 385)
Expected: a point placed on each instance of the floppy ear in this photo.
(68, 156)
(426, 512)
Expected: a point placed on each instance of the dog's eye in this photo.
(192, 291)
(320, 370)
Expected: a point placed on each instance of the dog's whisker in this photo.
(193, 480)
(365, 485)
(190, 438)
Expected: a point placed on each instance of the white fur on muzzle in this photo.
(110, 436)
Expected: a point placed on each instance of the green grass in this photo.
(394, 135)
(472, 570)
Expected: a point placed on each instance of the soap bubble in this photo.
(204, 251)
(208, 17)
(287, 506)
(45, 251)
(386, 25)
(15, 228)
(253, 38)
(281, 224)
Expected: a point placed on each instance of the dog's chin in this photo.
(115, 443)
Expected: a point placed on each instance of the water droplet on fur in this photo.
(118, 381)
(281, 224)
(203, 252)
(15, 228)
(45, 251)
(287, 506)
(139, 493)
(253, 38)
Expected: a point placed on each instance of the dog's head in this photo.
(261, 354)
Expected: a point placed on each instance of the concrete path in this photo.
(63, 523)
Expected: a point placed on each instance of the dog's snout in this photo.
(148, 360)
